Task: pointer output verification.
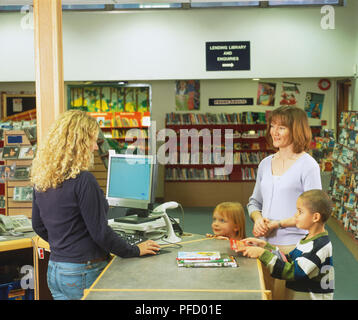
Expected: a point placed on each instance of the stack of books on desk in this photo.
(205, 259)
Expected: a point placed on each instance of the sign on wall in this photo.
(227, 56)
(231, 102)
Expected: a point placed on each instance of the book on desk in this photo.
(205, 259)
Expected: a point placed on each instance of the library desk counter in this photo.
(15, 253)
(159, 278)
(9, 243)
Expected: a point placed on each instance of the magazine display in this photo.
(22, 194)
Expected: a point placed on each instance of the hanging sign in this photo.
(231, 102)
(227, 56)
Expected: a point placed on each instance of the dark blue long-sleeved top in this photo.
(73, 220)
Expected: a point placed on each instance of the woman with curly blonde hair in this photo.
(69, 209)
(67, 150)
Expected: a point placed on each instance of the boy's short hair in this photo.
(317, 200)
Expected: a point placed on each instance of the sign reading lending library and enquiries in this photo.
(227, 56)
(231, 102)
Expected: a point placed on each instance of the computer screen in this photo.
(131, 181)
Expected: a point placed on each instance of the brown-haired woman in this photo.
(281, 178)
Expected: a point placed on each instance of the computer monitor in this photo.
(131, 183)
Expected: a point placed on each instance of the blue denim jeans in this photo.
(67, 281)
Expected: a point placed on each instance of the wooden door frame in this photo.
(343, 96)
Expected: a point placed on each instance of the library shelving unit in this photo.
(192, 179)
(27, 116)
(124, 126)
(13, 206)
(2, 185)
(344, 180)
(123, 111)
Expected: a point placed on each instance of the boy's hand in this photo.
(254, 242)
(251, 252)
(272, 225)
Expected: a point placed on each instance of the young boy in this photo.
(308, 269)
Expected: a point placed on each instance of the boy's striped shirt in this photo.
(308, 268)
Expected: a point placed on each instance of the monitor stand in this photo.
(136, 216)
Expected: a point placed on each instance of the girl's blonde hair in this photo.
(66, 151)
(233, 211)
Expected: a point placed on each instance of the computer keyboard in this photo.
(131, 238)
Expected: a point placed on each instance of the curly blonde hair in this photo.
(66, 150)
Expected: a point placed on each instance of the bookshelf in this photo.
(14, 203)
(15, 122)
(193, 173)
(344, 180)
(2, 184)
(124, 126)
(123, 111)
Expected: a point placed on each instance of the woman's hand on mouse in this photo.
(148, 247)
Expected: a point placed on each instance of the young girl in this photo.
(228, 221)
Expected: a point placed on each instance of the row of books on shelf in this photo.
(238, 146)
(349, 138)
(15, 152)
(121, 119)
(14, 172)
(215, 118)
(205, 259)
(126, 134)
(349, 120)
(207, 132)
(186, 158)
(250, 157)
(248, 173)
(207, 174)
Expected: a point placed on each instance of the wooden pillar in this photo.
(48, 64)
